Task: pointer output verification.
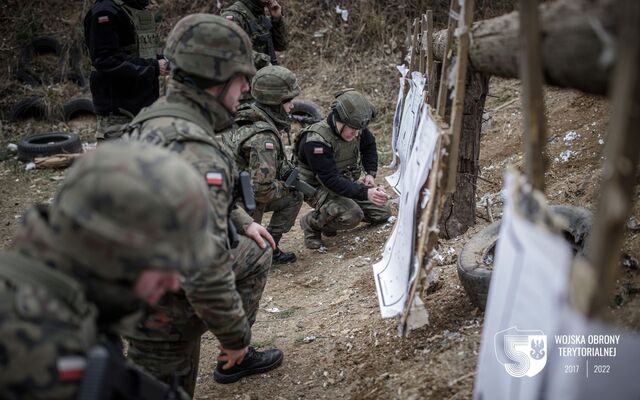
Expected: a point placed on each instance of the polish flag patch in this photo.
(318, 150)
(268, 146)
(71, 368)
(103, 20)
(214, 178)
(229, 17)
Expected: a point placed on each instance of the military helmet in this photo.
(128, 207)
(273, 85)
(352, 108)
(210, 47)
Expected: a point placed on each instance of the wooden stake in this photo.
(430, 68)
(446, 60)
(423, 44)
(466, 19)
(414, 47)
(593, 279)
(532, 94)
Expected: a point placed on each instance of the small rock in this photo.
(30, 166)
(633, 225)
(309, 339)
(629, 262)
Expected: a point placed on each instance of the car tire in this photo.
(475, 263)
(306, 112)
(47, 144)
(31, 107)
(77, 107)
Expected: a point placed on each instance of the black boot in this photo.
(255, 362)
(279, 256)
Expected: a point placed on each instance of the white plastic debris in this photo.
(12, 147)
(344, 14)
(566, 155)
(392, 219)
(30, 166)
(309, 339)
(570, 136)
(273, 310)
(600, 141)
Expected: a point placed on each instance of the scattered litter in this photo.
(571, 136)
(12, 147)
(320, 33)
(600, 141)
(629, 261)
(273, 310)
(340, 256)
(30, 166)
(308, 339)
(566, 156)
(57, 178)
(322, 249)
(633, 225)
(392, 219)
(344, 14)
(88, 146)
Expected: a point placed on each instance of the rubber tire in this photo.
(473, 272)
(31, 107)
(27, 77)
(39, 45)
(76, 107)
(47, 144)
(306, 112)
(75, 73)
(46, 45)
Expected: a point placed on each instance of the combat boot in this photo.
(312, 237)
(255, 362)
(279, 256)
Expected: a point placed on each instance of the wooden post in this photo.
(423, 44)
(430, 70)
(414, 47)
(466, 19)
(593, 278)
(532, 94)
(446, 60)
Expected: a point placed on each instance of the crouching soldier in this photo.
(124, 220)
(258, 146)
(330, 156)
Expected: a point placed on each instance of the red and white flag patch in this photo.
(268, 146)
(229, 17)
(214, 178)
(103, 20)
(318, 150)
(71, 368)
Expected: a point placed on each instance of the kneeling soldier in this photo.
(258, 146)
(330, 156)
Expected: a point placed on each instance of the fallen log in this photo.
(577, 39)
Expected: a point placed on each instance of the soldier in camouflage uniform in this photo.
(268, 33)
(331, 155)
(258, 147)
(123, 222)
(123, 45)
(211, 60)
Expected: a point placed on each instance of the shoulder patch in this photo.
(103, 20)
(71, 368)
(229, 17)
(214, 178)
(318, 150)
(268, 146)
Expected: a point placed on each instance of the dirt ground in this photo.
(322, 311)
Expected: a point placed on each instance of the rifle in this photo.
(293, 182)
(109, 377)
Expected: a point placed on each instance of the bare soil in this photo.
(322, 311)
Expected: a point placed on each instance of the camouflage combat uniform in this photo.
(267, 34)
(224, 296)
(332, 211)
(67, 280)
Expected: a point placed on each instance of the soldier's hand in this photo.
(164, 66)
(259, 234)
(275, 9)
(232, 357)
(369, 181)
(377, 196)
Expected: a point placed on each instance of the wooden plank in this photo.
(430, 68)
(446, 60)
(423, 44)
(463, 33)
(532, 94)
(593, 279)
(414, 46)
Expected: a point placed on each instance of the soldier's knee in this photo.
(349, 218)
(378, 216)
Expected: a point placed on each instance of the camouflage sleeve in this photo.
(211, 291)
(262, 152)
(42, 350)
(279, 34)
(239, 217)
(237, 18)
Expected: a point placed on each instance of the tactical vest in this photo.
(251, 121)
(259, 30)
(77, 311)
(146, 44)
(346, 154)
